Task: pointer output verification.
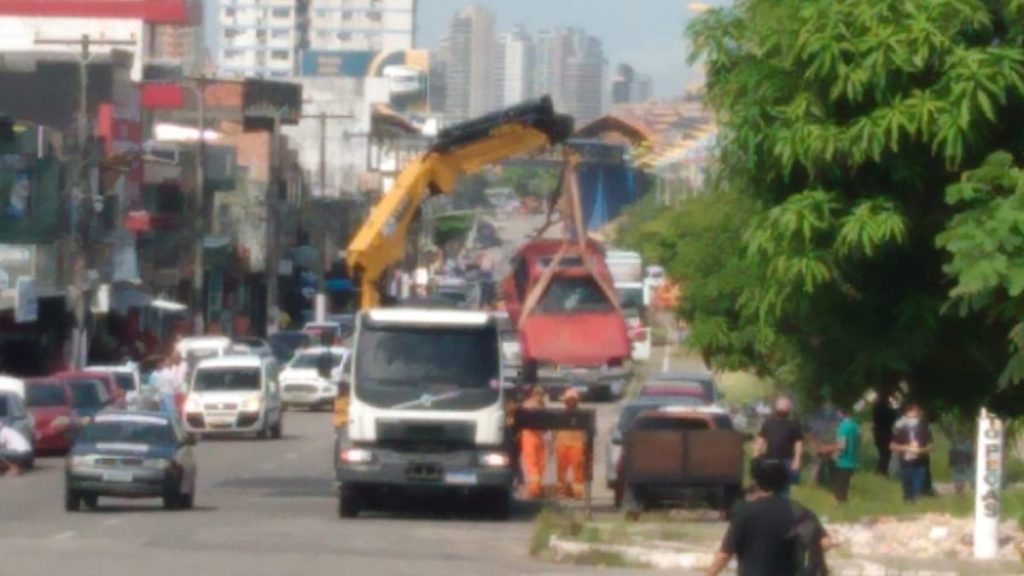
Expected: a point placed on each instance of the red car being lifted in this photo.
(572, 332)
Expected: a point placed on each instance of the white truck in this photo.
(627, 269)
(426, 411)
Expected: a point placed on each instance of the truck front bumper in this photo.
(460, 469)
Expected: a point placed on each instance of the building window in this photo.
(279, 55)
(282, 12)
(279, 34)
(345, 36)
(346, 15)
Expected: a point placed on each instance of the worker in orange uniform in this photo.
(532, 453)
(570, 449)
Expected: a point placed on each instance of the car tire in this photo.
(72, 500)
(350, 501)
(91, 501)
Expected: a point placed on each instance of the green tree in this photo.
(846, 121)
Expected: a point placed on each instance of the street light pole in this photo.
(203, 214)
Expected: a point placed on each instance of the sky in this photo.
(648, 34)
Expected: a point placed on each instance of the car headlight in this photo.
(193, 404)
(252, 404)
(494, 460)
(60, 422)
(156, 463)
(79, 461)
(356, 456)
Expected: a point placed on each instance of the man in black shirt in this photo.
(782, 439)
(763, 531)
(883, 418)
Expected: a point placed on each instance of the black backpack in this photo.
(805, 542)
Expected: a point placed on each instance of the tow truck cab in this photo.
(426, 410)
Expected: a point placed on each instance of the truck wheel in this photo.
(350, 501)
(72, 500)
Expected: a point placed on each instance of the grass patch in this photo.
(872, 496)
(742, 388)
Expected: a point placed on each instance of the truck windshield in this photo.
(574, 296)
(417, 368)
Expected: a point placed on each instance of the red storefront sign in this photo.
(120, 126)
(138, 222)
(184, 12)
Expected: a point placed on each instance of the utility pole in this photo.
(203, 210)
(273, 197)
(320, 303)
(80, 187)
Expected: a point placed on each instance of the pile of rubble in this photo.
(935, 536)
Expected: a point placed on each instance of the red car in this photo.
(50, 404)
(116, 393)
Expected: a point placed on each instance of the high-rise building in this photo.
(261, 39)
(362, 25)
(514, 68)
(630, 87)
(570, 67)
(469, 67)
(184, 44)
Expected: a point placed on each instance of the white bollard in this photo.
(988, 484)
(321, 307)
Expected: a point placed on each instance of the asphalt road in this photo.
(263, 507)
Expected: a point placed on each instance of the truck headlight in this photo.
(494, 460)
(356, 456)
(252, 404)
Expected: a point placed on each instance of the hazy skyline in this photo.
(648, 34)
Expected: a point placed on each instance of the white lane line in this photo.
(63, 535)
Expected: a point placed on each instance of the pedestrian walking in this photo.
(883, 419)
(532, 452)
(846, 452)
(15, 450)
(912, 443)
(569, 453)
(781, 438)
(771, 535)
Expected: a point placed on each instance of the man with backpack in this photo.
(770, 535)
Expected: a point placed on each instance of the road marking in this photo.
(63, 535)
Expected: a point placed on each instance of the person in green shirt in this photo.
(846, 452)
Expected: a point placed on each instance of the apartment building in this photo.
(261, 38)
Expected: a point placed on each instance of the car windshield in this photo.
(631, 300)
(309, 360)
(284, 344)
(400, 364)
(569, 295)
(44, 396)
(125, 381)
(227, 379)
(86, 395)
(128, 432)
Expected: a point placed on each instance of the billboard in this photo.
(407, 72)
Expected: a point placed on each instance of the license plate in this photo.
(117, 477)
(460, 478)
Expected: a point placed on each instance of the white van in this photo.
(235, 395)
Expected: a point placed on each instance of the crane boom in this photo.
(461, 149)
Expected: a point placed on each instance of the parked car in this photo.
(126, 376)
(131, 455)
(287, 342)
(14, 414)
(254, 346)
(88, 395)
(235, 395)
(312, 378)
(117, 396)
(707, 468)
(56, 423)
(706, 380)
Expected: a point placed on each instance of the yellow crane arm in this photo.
(462, 149)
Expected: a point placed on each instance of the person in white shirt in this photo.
(14, 450)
